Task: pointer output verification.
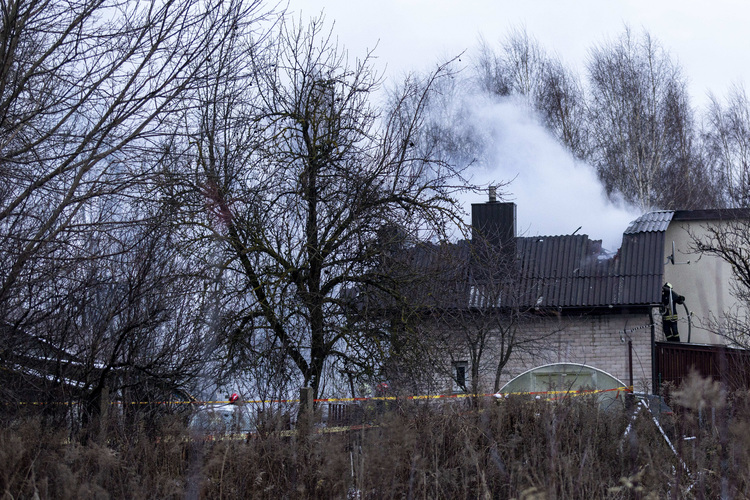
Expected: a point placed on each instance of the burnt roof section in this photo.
(567, 271)
(570, 271)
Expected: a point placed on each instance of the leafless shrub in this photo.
(513, 448)
(698, 393)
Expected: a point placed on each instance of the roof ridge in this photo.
(539, 236)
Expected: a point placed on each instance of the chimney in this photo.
(494, 222)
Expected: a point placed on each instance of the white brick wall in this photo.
(600, 341)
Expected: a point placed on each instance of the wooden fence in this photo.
(673, 362)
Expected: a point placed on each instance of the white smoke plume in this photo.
(555, 193)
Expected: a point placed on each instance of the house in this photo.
(560, 299)
(33, 369)
(37, 364)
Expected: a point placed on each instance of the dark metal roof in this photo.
(549, 272)
(725, 214)
(659, 220)
(570, 271)
(652, 221)
(428, 276)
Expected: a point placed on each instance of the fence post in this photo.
(306, 400)
(306, 410)
(103, 415)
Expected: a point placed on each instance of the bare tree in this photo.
(562, 103)
(730, 241)
(727, 142)
(85, 89)
(687, 180)
(632, 119)
(451, 130)
(133, 321)
(518, 69)
(497, 324)
(523, 68)
(638, 122)
(300, 172)
(91, 93)
(122, 324)
(465, 304)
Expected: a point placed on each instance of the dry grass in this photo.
(512, 449)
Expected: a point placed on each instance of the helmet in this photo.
(234, 397)
(667, 285)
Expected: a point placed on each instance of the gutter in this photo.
(597, 309)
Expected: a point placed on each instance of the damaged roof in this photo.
(570, 271)
(550, 272)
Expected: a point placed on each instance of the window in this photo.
(460, 374)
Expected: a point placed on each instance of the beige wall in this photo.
(705, 282)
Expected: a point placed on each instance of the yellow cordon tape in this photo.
(499, 395)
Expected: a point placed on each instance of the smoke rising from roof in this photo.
(554, 192)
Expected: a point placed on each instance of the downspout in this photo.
(653, 349)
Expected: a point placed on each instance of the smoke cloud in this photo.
(555, 193)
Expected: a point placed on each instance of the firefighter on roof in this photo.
(669, 299)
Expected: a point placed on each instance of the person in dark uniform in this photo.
(669, 300)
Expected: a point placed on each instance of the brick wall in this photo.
(600, 341)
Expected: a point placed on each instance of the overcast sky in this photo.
(709, 40)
